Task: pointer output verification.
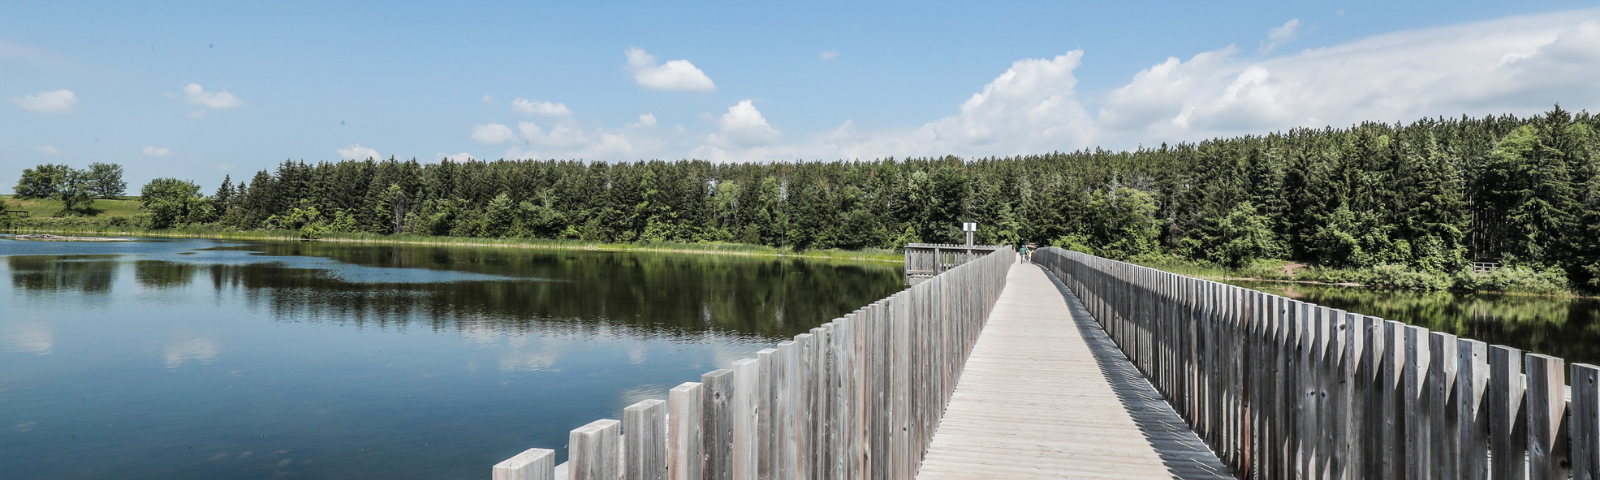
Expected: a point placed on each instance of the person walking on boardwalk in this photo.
(1023, 251)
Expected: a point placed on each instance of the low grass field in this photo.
(118, 207)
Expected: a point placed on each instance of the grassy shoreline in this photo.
(870, 255)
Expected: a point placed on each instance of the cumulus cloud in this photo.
(673, 75)
(487, 99)
(493, 134)
(523, 105)
(218, 100)
(1280, 35)
(47, 150)
(742, 126)
(1519, 65)
(58, 101)
(829, 55)
(358, 152)
(157, 151)
(459, 157)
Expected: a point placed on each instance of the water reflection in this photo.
(82, 273)
(198, 359)
(1563, 327)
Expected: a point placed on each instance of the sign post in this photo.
(969, 227)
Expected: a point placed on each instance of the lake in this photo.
(201, 359)
(1564, 327)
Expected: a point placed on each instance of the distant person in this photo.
(1023, 251)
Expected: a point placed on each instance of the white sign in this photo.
(969, 227)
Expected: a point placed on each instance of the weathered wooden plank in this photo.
(1416, 407)
(1393, 406)
(1547, 408)
(805, 403)
(685, 447)
(1352, 370)
(1472, 385)
(531, 464)
(644, 449)
(1508, 437)
(744, 406)
(593, 449)
(766, 405)
(1585, 419)
(717, 423)
(1372, 384)
(1335, 402)
(1443, 410)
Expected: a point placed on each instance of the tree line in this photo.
(75, 188)
(1431, 196)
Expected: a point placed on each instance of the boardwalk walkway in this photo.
(1046, 394)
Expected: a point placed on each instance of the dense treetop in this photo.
(1431, 195)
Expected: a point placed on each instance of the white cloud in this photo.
(459, 157)
(358, 152)
(1280, 35)
(645, 121)
(523, 105)
(1518, 65)
(47, 150)
(219, 100)
(673, 75)
(743, 126)
(157, 151)
(58, 101)
(487, 100)
(493, 134)
(829, 55)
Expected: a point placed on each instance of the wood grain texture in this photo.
(1046, 395)
(644, 452)
(531, 464)
(593, 451)
(1547, 409)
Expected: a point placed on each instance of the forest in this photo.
(1417, 202)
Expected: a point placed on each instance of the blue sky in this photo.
(198, 90)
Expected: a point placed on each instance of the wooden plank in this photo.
(805, 403)
(593, 450)
(1547, 409)
(743, 406)
(1585, 417)
(1335, 402)
(1416, 407)
(1351, 371)
(531, 464)
(767, 402)
(644, 447)
(1372, 396)
(1443, 410)
(685, 450)
(1472, 385)
(1393, 406)
(900, 382)
(717, 421)
(1508, 437)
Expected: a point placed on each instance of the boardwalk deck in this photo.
(1045, 394)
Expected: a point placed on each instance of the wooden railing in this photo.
(857, 398)
(1285, 389)
(928, 259)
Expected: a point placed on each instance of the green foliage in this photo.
(42, 181)
(104, 180)
(1392, 201)
(171, 202)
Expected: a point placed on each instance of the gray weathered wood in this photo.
(1508, 437)
(531, 464)
(766, 405)
(685, 447)
(1444, 412)
(744, 407)
(1472, 386)
(1547, 408)
(593, 451)
(1584, 413)
(717, 421)
(1416, 408)
(644, 450)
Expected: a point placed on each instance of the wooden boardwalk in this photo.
(1045, 394)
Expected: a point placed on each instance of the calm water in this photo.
(199, 359)
(1563, 327)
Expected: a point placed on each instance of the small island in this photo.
(45, 237)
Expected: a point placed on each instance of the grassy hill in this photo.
(117, 207)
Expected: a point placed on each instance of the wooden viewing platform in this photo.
(1045, 394)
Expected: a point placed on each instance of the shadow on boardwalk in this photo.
(1184, 455)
